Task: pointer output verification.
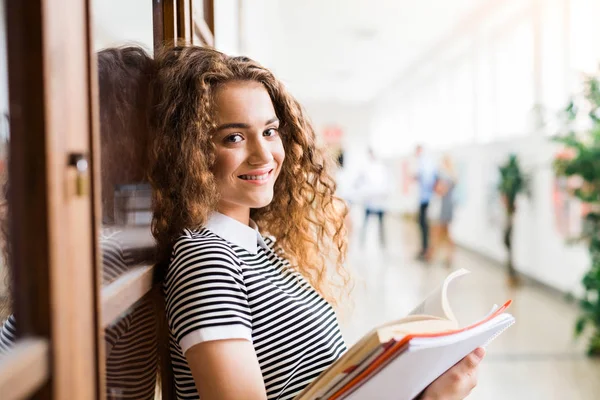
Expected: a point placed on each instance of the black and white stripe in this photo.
(8, 334)
(215, 284)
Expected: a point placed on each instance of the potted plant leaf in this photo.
(582, 168)
(512, 182)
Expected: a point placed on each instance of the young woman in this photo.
(246, 219)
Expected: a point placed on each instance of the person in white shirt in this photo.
(374, 186)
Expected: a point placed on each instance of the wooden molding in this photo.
(96, 201)
(120, 295)
(209, 14)
(184, 21)
(202, 30)
(164, 21)
(24, 369)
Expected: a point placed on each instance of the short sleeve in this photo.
(8, 334)
(206, 297)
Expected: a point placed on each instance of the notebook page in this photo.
(436, 303)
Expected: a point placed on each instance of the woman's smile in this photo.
(261, 177)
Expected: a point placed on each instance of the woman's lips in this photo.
(255, 178)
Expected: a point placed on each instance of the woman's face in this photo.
(248, 148)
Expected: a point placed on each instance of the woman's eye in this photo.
(235, 138)
(270, 132)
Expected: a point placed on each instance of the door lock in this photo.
(79, 161)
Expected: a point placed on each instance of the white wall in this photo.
(227, 26)
(355, 122)
(540, 249)
(118, 23)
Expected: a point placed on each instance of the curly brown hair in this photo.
(305, 216)
(124, 76)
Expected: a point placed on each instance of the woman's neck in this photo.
(240, 214)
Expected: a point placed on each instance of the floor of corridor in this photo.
(537, 358)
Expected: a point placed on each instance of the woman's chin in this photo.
(262, 201)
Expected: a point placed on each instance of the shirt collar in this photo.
(247, 237)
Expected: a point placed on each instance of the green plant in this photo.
(581, 164)
(512, 182)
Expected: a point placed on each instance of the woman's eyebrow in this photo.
(233, 125)
(241, 125)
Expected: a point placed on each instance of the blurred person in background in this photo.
(343, 183)
(426, 178)
(374, 187)
(442, 213)
(131, 342)
(250, 232)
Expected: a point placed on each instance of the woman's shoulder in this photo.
(199, 239)
(8, 334)
(201, 245)
(271, 243)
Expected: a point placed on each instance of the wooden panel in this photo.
(24, 369)
(209, 15)
(121, 294)
(184, 21)
(29, 225)
(158, 24)
(95, 193)
(164, 19)
(49, 71)
(72, 267)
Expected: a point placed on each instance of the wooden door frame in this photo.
(51, 118)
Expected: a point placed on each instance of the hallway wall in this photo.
(353, 119)
(540, 249)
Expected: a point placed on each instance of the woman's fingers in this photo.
(472, 360)
(468, 372)
(458, 381)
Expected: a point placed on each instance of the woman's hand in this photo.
(458, 381)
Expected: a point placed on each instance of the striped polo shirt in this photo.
(225, 281)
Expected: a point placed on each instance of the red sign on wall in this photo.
(333, 134)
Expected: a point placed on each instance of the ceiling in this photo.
(346, 50)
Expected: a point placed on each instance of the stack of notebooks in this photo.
(400, 359)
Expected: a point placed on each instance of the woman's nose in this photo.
(260, 153)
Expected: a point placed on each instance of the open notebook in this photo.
(401, 358)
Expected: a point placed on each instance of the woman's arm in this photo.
(226, 370)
